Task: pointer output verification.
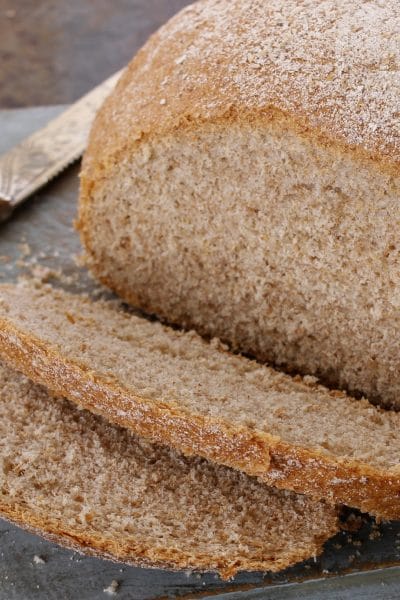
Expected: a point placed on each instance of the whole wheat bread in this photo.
(244, 180)
(177, 389)
(75, 478)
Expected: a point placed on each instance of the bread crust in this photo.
(257, 453)
(219, 62)
(209, 65)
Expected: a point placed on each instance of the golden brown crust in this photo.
(220, 61)
(256, 453)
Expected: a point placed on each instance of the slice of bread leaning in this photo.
(177, 389)
(243, 180)
(92, 486)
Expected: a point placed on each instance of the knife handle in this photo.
(40, 157)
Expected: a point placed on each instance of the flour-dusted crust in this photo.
(280, 464)
(328, 69)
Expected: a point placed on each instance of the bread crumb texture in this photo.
(75, 478)
(178, 389)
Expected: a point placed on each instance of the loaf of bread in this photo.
(244, 180)
(177, 389)
(82, 482)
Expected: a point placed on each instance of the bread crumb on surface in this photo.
(43, 273)
(79, 260)
(112, 589)
(38, 560)
(25, 249)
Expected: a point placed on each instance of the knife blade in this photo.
(43, 155)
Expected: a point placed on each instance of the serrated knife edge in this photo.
(40, 157)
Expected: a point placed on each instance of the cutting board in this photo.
(356, 565)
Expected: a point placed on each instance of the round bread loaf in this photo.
(243, 180)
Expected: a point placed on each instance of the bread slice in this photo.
(177, 389)
(244, 180)
(75, 478)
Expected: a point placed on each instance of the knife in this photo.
(40, 157)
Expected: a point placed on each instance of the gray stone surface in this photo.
(52, 52)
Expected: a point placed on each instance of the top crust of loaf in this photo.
(328, 69)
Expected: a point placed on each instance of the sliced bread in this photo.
(80, 481)
(177, 389)
(244, 180)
